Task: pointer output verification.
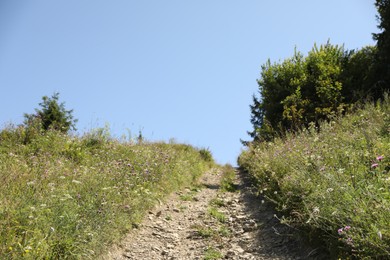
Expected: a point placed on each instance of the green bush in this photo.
(206, 155)
(333, 184)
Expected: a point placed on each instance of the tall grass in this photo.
(333, 184)
(71, 197)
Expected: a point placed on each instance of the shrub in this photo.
(206, 155)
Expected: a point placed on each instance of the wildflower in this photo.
(379, 158)
(374, 165)
(340, 231)
(349, 241)
(347, 228)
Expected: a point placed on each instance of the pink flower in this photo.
(374, 165)
(340, 231)
(347, 228)
(379, 158)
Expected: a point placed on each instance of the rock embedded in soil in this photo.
(183, 229)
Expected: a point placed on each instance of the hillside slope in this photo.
(332, 184)
(71, 197)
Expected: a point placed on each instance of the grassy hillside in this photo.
(333, 184)
(70, 197)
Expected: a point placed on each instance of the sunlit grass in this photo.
(215, 213)
(71, 197)
(212, 253)
(334, 184)
(228, 176)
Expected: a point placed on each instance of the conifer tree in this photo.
(382, 69)
(52, 115)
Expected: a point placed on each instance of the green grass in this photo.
(72, 197)
(215, 232)
(205, 232)
(217, 202)
(190, 196)
(212, 253)
(228, 176)
(187, 197)
(333, 184)
(213, 212)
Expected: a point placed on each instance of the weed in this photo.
(227, 182)
(206, 155)
(212, 253)
(224, 231)
(204, 232)
(213, 212)
(187, 197)
(183, 208)
(217, 202)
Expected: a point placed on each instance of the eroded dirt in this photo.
(207, 223)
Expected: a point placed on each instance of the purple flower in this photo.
(340, 231)
(347, 228)
(379, 158)
(374, 165)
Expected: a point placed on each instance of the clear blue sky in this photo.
(173, 69)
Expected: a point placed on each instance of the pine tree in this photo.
(52, 115)
(383, 45)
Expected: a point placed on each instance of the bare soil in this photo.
(205, 222)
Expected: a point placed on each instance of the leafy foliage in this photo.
(303, 90)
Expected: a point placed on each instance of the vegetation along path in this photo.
(221, 218)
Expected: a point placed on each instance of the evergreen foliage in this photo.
(382, 68)
(52, 115)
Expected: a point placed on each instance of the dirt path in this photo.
(207, 223)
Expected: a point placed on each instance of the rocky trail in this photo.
(205, 222)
